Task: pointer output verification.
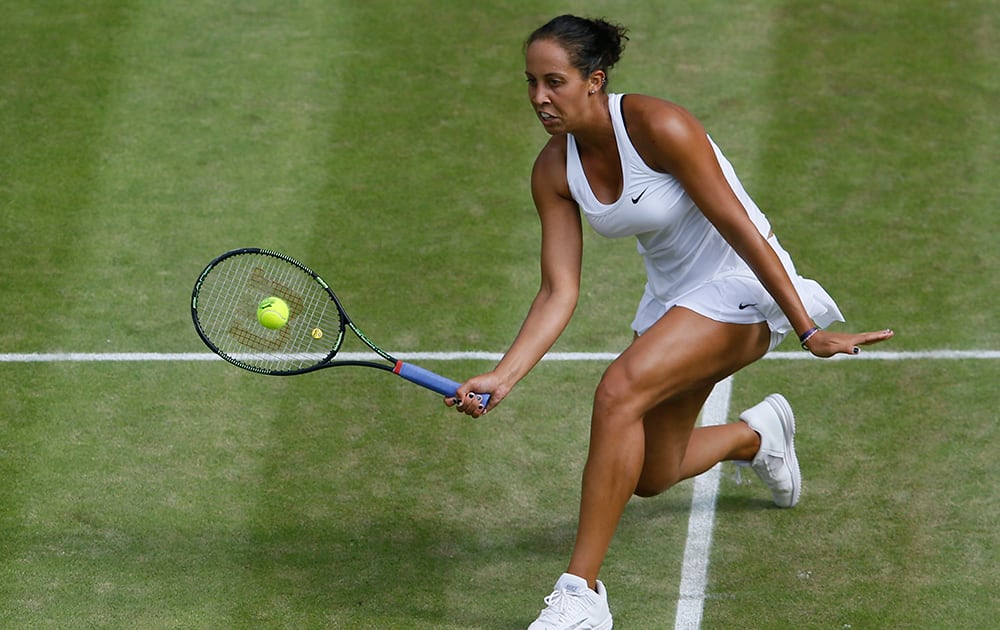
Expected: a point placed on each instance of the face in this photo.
(559, 95)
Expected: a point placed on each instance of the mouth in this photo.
(546, 118)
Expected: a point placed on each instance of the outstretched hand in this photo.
(826, 344)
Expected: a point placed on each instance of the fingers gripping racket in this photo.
(224, 308)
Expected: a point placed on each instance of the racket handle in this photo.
(430, 380)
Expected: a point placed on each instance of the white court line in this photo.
(701, 522)
(85, 357)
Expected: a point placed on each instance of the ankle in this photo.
(749, 446)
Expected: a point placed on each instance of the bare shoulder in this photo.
(553, 154)
(662, 131)
(548, 177)
(651, 114)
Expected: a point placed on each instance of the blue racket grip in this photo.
(430, 380)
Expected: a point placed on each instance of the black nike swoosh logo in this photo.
(743, 306)
(636, 199)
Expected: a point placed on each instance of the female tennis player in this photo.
(720, 293)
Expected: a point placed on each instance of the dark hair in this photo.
(592, 44)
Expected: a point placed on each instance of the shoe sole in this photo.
(606, 624)
(787, 419)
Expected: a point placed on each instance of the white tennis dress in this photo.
(688, 262)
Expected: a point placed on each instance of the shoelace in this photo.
(738, 476)
(738, 466)
(560, 603)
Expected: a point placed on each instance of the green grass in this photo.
(388, 146)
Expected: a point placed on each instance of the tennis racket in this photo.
(224, 308)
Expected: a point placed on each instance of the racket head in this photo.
(224, 309)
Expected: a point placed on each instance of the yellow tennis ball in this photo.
(272, 313)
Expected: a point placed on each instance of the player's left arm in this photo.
(672, 140)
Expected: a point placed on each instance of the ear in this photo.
(596, 81)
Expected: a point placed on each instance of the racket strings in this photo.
(227, 314)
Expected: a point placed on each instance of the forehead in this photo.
(547, 56)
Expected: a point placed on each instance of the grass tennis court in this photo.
(388, 145)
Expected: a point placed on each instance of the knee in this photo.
(648, 487)
(617, 392)
(646, 492)
(633, 386)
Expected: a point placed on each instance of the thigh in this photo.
(683, 354)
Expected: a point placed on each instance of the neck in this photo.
(598, 130)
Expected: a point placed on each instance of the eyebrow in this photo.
(547, 75)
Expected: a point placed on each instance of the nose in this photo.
(537, 95)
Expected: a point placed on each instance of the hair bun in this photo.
(592, 44)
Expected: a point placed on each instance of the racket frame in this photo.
(408, 371)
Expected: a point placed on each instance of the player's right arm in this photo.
(561, 260)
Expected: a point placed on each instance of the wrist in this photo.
(807, 335)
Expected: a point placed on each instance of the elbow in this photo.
(558, 300)
(564, 296)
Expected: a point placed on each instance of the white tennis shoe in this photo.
(775, 463)
(574, 606)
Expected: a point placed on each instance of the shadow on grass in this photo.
(396, 570)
